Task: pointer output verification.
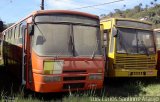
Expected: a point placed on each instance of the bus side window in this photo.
(4, 37)
(13, 32)
(9, 34)
(17, 33)
(6, 34)
(22, 27)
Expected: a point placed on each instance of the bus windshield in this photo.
(66, 39)
(134, 41)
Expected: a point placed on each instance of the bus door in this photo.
(24, 54)
(26, 60)
(105, 46)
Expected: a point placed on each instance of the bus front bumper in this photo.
(65, 85)
(133, 73)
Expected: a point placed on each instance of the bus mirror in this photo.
(114, 32)
(31, 29)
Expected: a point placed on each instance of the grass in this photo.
(113, 89)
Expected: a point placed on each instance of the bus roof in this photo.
(128, 19)
(34, 13)
(64, 12)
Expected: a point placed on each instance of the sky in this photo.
(13, 10)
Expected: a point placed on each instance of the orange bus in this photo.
(55, 51)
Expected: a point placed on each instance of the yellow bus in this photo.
(129, 48)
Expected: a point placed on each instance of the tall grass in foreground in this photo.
(115, 92)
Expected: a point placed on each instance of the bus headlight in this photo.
(51, 78)
(95, 77)
(53, 67)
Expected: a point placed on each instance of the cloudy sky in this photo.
(13, 10)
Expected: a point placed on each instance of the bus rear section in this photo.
(129, 47)
(65, 52)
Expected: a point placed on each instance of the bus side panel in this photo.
(12, 59)
(72, 69)
(107, 25)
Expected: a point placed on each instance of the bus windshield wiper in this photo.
(39, 30)
(142, 43)
(94, 50)
(72, 45)
(121, 42)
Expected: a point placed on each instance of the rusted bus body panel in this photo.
(72, 68)
(12, 56)
(64, 86)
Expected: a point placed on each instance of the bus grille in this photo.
(136, 62)
(74, 78)
(74, 71)
(73, 85)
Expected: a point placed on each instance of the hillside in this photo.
(151, 14)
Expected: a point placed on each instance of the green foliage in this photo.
(7, 25)
(151, 13)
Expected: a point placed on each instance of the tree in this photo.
(111, 14)
(137, 9)
(157, 11)
(118, 11)
(151, 13)
(151, 3)
(146, 7)
(140, 4)
(155, 2)
(124, 7)
(1, 26)
(156, 19)
(102, 15)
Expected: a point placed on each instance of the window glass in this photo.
(85, 39)
(133, 41)
(52, 39)
(134, 24)
(66, 18)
